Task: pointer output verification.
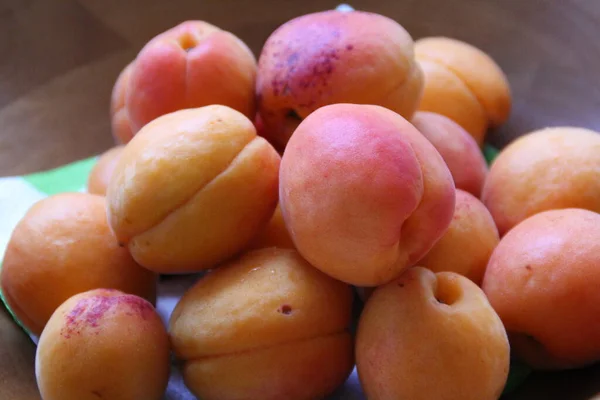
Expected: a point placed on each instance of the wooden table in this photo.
(59, 60)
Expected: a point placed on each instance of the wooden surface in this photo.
(59, 59)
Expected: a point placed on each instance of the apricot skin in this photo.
(459, 150)
(63, 246)
(192, 189)
(431, 336)
(543, 281)
(334, 57)
(120, 123)
(552, 168)
(191, 65)
(468, 243)
(463, 83)
(364, 195)
(102, 171)
(275, 234)
(264, 326)
(103, 344)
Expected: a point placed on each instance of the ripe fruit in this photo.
(364, 195)
(543, 281)
(103, 344)
(264, 326)
(431, 336)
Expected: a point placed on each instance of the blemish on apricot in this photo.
(276, 86)
(89, 312)
(292, 59)
(285, 309)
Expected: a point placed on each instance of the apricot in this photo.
(63, 246)
(192, 189)
(463, 83)
(191, 65)
(468, 243)
(543, 281)
(364, 195)
(429, 336)
(266, 325)
(552, 168)
(102, 171)
(458, 149)
(334, 57)
(275, 234)
(120, 122)
(103, 344)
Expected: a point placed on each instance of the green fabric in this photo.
(10, 311)
(490, 153)
(517, 374)
(69, 178)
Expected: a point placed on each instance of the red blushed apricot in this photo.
(103, 344)
(193, 64)
(64, 246)
(364, 195)
(468, 243)
(101, 173)
(334, 57)
(121, 124)
(552, 168)
(458, 149)
(543, 281)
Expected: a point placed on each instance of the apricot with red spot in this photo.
(103, 344)
(266, 325)
(334, 57)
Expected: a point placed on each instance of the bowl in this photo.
(61, 58)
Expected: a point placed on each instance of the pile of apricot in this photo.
(347, 159)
